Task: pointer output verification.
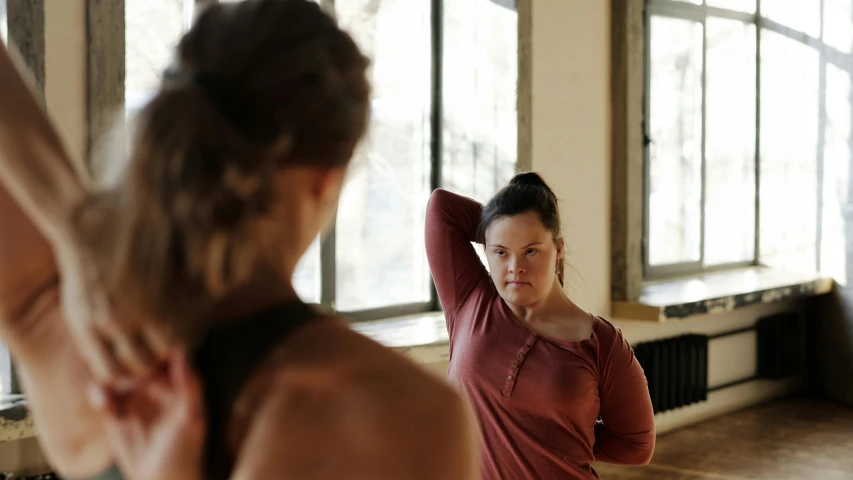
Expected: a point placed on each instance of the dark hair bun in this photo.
(532, 179)
(526, 193)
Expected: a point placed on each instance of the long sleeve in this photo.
(451, 226)
(627, 433)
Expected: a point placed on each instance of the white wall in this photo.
(571, 134)
(65, 71)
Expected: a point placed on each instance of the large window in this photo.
(152, 30)
(443, 114)
(747, 122)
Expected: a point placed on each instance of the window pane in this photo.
(730, 142)
(675, 160)
(747, 6)
(789, 126)
(153, 28)
(800, 15)
(6, 371)
(380, 257)
(479, 131)
(838, 24)
(836, 175)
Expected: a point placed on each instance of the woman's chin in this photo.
(517, 298)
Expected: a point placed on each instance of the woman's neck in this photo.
(556, 304)
(266, 289)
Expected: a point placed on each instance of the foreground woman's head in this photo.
(520, 227)
(237, 163)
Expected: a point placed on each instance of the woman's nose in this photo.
(516, 265)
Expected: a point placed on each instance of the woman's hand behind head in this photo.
(118, 344)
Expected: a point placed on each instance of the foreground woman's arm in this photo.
(52, 371)
(37, 174)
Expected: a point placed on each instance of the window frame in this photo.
(629, 96)
(328, 253)
(699, 14)
(328, 274)
(827, 54)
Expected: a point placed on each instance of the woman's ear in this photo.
(560, 249)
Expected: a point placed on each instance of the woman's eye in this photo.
(531, 251)
(500, 253)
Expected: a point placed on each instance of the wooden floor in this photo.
(794, 439)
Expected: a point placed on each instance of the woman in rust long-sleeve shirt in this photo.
(556, 388)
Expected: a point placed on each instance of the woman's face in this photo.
(522, 256)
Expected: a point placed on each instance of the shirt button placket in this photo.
(509, 385)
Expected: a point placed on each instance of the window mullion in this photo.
(821, 141)
(703, 197)
(328, 264)
(757, 167)
(327, 270)
(436, 114)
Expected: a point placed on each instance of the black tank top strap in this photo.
(225, 360)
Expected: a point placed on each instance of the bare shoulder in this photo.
(341, 406)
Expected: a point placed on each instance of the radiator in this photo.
(780, 345)
(676, 369)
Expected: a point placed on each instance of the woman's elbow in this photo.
(437, 199)
(642, 453)
(636, 451)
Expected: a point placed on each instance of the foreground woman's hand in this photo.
(119, 345)
(157, 428)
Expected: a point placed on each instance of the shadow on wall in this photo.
(830, 317)
(829, 320)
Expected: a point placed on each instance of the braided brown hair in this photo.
(258, 85)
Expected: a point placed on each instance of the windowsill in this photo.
(719, 292)
(16, 423)
(420, 330)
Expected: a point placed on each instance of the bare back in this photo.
(330, 403)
